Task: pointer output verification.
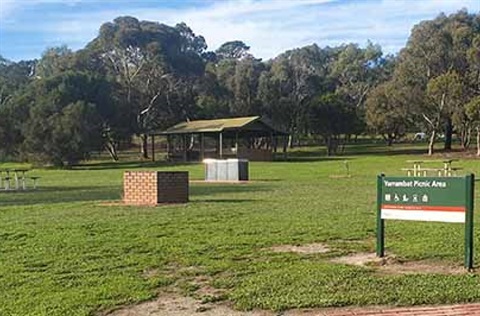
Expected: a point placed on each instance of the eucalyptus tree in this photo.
(473, 113)
(296, 77)
(444, 95)
(436, 48)
(356, 71)
(213, 98)
(232, 50)
(245, 87)
(54, 61)
(388, 111)
(14, 78)
(64, 121)
(140, 55)
(330, 116)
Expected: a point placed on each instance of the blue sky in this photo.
(28, 27)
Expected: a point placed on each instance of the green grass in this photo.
(62, 252)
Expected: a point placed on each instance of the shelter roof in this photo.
(252, 124)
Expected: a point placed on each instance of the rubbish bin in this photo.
(222, 170)
(210, 169)
(237, 169)
(226, 170)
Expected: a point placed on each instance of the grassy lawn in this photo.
(64, 252)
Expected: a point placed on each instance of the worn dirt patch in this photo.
(304, 249)
(206, 291)
(391, 265)
(358, 259)
(172, 304)
(421, 267)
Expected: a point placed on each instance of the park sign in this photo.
(438, 199)
(424, 199)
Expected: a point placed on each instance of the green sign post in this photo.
(438, 199)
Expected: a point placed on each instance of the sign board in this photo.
(424, 199)
(439, 199)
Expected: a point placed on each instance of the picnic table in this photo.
(419, 168)
(18, 177)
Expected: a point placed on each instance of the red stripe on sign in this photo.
(424, 208)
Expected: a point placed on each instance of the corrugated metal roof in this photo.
(210, 126)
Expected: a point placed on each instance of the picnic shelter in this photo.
(252, 138)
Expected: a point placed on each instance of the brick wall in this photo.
(154, 187)
(172, 187)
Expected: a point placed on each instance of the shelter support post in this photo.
(169, 147)
(236, 144)
(220, 145)
(153, 146)
(184, 147)
(270, 143)
(202, 146)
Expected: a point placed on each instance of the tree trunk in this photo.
(468, 138)
(448, 135)
(328, 143)
(290, 140)
(112, 150)
(390, 139)
(342, 145)
(144, 146)
(332, 144)
(431, 143)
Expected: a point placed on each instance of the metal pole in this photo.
(236, 144)
(220, 145)
(470, 182)
(202, 146)
(185, 147)
(380, 221)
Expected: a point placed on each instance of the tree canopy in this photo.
(138, 76)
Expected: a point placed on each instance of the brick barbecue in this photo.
(155, 187)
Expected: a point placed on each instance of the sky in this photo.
(269, 27)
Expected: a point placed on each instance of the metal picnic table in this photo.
(18, 175)
(419, 170)
(21, 178)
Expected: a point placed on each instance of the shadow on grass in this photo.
(223, 201)
(110, 165)
(391, 152)
(359, 150)
(49, 195)
(300, 159)
(226, 189)
(267, 180)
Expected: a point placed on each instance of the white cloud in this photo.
(8, 8)
(271, 26)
